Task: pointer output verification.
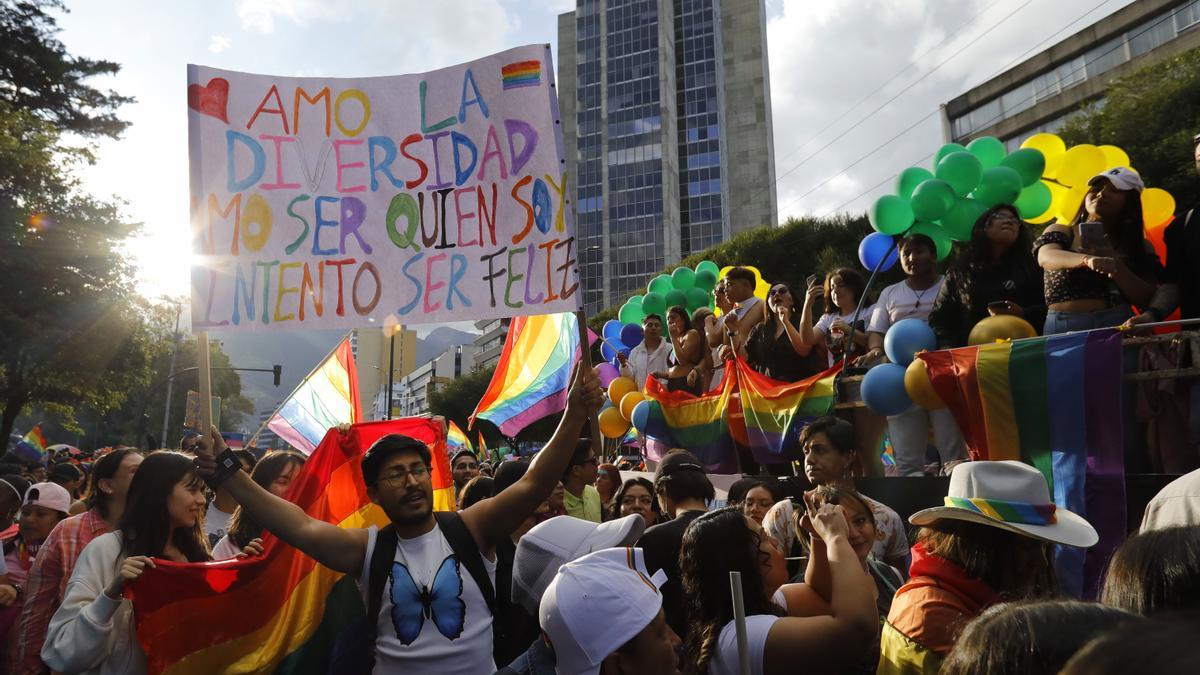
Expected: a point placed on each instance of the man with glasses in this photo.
(581, 499)
(428, 616)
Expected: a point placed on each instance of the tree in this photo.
(74, 333)
(1151, 114)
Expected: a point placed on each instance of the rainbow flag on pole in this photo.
(280, 612)
(32, 447)
(770, 409)
(457, 440)
(533, 373)
(326, 398)
(1053, 402)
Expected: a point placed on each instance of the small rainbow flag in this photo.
(456, 439)
(771, 408)
(696, 423)
(1053, 402)
(32, 447)
(326, 398)
(531, 378)
(281, 611)
(521, 74)
(483, 448)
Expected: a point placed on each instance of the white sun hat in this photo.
(1012, 496)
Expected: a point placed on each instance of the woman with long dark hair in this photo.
(274, 472)
(1099, 264)
(686, 371)
(93, 630)
(996, 275)
(726, 540)
(636, 496)
(775, 347)
(840, 295)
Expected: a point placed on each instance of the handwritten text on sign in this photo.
(327, 203)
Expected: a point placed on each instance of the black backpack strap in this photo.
(381, 562)
(467, 551)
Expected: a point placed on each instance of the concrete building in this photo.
(490, 342)
(1039, 94)
(410, 394)
(666, 112)
(267, 439)
(370, 347)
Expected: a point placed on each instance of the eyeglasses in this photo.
(400, 476)
(778, 290)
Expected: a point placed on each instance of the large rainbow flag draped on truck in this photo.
(282, 611)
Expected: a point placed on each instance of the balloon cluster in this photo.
(618, 410)
(883, 388)
(685, 287)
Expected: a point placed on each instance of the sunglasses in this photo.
(778, 290)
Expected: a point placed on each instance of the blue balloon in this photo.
(641, 416)
(907, 337)
(873, 248)
(607, 352)
(631, 334)
(624, 351)
(883, 390)
(648, 420)
(612, 329)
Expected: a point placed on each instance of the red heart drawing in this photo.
(210, 99)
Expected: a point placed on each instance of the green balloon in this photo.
(1027, 162)
(946, 150)
(675, 298)
(1034, 200)
(683, 278)
(999, 185)
(891, 215)
(960, 219)
(961, 170)
(941, 240)
(988, 149)
(909, 179)
(631, 312)
(706, 280)
(660, 284)
(931, 200)
(710, 266)
(654, 303)
(696, 298)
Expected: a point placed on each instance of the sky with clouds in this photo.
(855, 84)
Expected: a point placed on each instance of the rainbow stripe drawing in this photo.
(522, 74)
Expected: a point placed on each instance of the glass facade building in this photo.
(650, 138)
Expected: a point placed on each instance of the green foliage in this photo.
(1152, 115)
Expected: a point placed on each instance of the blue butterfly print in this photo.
(443, 603)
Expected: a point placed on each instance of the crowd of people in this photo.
(566, 564)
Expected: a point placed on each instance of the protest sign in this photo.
(345, 202)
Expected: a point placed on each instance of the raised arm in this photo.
(337, 548)
(493, 519)
(808, 333)
(1057, 257)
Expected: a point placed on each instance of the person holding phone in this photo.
(996, 275)
(776, 347)
(1099, 264)
(840, 295)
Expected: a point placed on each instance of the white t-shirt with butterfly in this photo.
(433, 618)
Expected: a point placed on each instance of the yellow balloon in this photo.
(629, 402)
(999, 327)
(1114, 157)
(612, 425)
(1057, 194)
(1071, 202)
(920, 388)
(1052, 148)
(1157, 206)
(619, 387)
(1081, 163)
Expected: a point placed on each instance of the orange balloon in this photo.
(629, 402)
(619, 387)
(920, 388)
(1000, 327)
(612, 425)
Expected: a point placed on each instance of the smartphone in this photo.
(998, 304)
(1091, 234)
(811, 281)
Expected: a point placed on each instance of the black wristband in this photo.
(228, 464)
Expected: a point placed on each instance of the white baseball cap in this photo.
(50, 495)
(558, 541)
(1121, 178)
(578, 608)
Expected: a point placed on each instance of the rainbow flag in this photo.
(32, 447)
(521, 74)
(770, 409)
(1053, 402)
(483, 448)
(696, 423)
(326, 398)
(456, 439)
(280, 612)
(533, 373)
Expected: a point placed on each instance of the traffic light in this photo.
(277, 370)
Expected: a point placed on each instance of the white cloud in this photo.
(259, 15)
(219, 44)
